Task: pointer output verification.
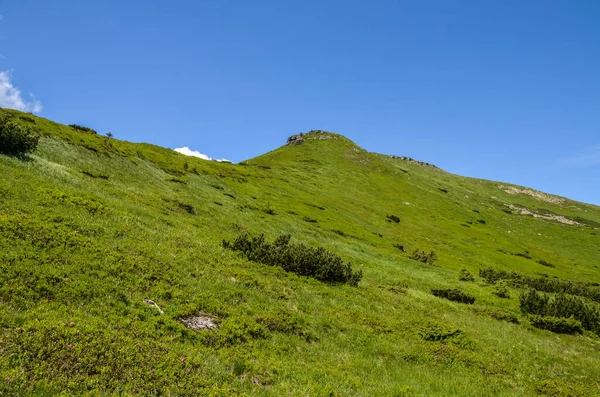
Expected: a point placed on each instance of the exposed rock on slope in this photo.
(295, 139)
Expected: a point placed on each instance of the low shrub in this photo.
(465, 275)
(563, 306)
(297, 258)
(434, 332)
(392, 218)
(454, 294)
(82, 128)
(557, 325)
(399, 246)
(267, 210)
(92, 175)
(309, 219)
(542, 283)
(27, 119)
(422, 256)
(501, 290)
(190, 209)
(16, 139)
(545, 263)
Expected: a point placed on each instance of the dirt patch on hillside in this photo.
(200, 322)
(533, 193)
(550, 217)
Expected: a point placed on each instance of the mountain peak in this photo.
(318, 135)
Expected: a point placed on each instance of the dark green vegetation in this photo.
(562, 306)
(584, 289)
(16, 138)
(560, 325)
(465, 275)
(82, 128)
(422, 256)
(90, 227)
(299, 258)
(453, 294)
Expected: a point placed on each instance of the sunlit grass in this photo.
(80, 253)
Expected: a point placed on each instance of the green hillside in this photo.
(91, 227)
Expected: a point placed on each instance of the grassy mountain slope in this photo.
(90, 227)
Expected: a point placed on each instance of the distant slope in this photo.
(90, 227)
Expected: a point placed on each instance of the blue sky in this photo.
(502, 90)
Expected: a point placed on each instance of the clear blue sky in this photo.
(503, 90)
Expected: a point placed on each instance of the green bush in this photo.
(297, 258)
(545, 263)
(422, 256)
(541, 283)
(454, 294)
(399, 246)
(558, 325)
(465, 275)
(190, 209)
(563, 306)
(392, 218)
(491, 276)
(82, 128)
(16, 139)
(501, 290)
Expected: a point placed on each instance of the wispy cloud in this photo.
(194, 153)
(584, 158)
(11, 97)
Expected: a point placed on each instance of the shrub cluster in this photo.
(454, 294)
(465, 275)
(422, 256)
(558, 325)
(501, 290)
(562, 306)
(190, 209)
(541, 283)
(392, 218)
(399, 246)
(27, 119)
(82, 128)
(545, 263)
(16, 139)
(297, 258)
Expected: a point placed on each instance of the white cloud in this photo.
(194, 153)
(585, 158)
(10, 96)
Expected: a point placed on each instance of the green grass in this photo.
(91, 226)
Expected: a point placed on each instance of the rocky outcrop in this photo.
(413, 161)
(295, 139)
